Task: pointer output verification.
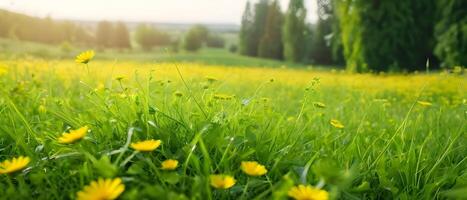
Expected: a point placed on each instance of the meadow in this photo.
(351, 136)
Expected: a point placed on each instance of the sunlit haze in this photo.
(173, 11)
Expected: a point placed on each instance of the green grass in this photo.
(12, 49)
(391, 146)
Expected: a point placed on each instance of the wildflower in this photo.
(14, 165)
(85, 57)
(73, 135)
(308, 192)
(253, 168)
(319, 105)
(336, 123)
(425, 103)
(146, 146)
(102, 189)
(169, 164)
(221, 181)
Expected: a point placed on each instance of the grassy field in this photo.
(11, 49)
(355, 136)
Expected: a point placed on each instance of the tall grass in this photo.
(390, 148)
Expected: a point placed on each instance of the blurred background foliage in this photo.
(362, 35)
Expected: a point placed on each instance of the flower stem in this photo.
(129, 158)
(246, 188)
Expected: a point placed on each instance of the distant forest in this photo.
(364, 35)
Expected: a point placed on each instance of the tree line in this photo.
(363, 35)
(105, 34)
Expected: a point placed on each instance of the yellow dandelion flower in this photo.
(308, 192)
(169, 164)
(146, 146)
(319, 105)
(336, 123)
(221, 181)
(73, 135)
(85, 57)
(425, 103)
(253, 168)
(14, 165)
(102, 189)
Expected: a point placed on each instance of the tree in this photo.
(451, 33)
(104, 34)
(321, 46)
(260, 17)
(386, 35)
(215, 41)
(294, 31)
(246, 32)
(270, 45)
(121, 36)
(196, 37)
(147, 37)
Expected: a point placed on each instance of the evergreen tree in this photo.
(321, 50)
(386, 35)
(270, 45)
(259, 23)
(451, 33)
(246, 31)
(121, 36)
(104, 34)
(294, 31)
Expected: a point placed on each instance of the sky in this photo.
(171, 11)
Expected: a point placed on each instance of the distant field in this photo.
(357, 136)
(19, 49)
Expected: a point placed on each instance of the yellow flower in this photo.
(221, 181)
(169, 164)
(73, 135)
(85, 57)
(424, 103)
(13, 165)
(336, 123)
(308, 192)
(253, 168)
(102, 189)
(147, 145)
